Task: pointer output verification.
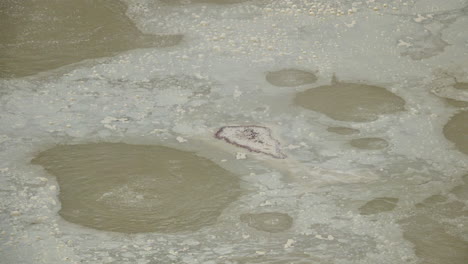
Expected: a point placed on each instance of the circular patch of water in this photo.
(378, 205)
(137, 188)
(290, 78)
(350, 101)
(456, 130)
(343, 130)
(369, 143)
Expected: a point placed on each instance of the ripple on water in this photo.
(272, 222)
(350, 101)
(136, 188)
(290, 78)
(43, 35)
(456, 130)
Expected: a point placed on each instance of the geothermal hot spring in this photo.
(234, 131)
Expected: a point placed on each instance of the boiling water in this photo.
(108, 112)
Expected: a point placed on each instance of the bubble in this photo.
(378, 205)
(272, 222)
(350, 101)
(290, 78)
(43, 35)
(137, 188)
(369, 143)
(456, 130)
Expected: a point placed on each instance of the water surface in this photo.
(136, 188)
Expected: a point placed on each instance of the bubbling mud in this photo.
(136, 188)
(456, 130)
(272, 222)
(369, 143)
(350, 101)
(43, 35)
(290, 78)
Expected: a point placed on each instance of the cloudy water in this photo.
(137, 188)
(259, 131)
(42, 35)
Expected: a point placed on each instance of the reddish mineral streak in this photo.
(249, 134)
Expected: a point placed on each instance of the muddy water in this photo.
(456, 130)
(433, 241)
(219, 2)
(42, 35)
(369, 143)
(290, 77)
(350, 101)
(271, 222)
(378, 205)
(135, 188)
(343, 130)
(461, 86)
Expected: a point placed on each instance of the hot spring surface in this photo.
(126, 130)
(132, 188)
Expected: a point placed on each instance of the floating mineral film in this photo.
(136, 188)
(456, 130)
(43, 35)
(271, 222)
(290, 78)
(254, 138)
(350, 101)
